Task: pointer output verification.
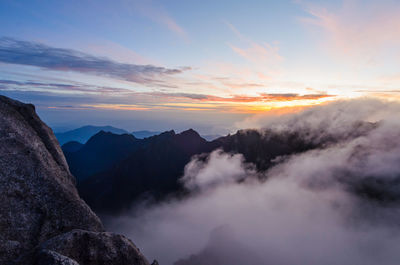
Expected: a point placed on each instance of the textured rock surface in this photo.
(38, 197)
(48, 257)
(84, 247)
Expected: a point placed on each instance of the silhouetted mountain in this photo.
(82, 134)
(261, 148)
(71, 147)
(144, 134)
(115, 170)
(153, 166)
(100, 153)
(154, 169)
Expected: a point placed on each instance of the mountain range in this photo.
(113, 171)
(83, 134)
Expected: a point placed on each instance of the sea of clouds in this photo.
(336, 204)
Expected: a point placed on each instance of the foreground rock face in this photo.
(39, 204)
(85, 246)
(45, 257)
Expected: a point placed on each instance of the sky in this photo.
(207, 65)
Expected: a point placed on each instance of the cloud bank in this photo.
(336, 204)
(36, 54)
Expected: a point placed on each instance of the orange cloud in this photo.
(263, 97)
(209, 103)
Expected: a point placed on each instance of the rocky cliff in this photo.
(43, 221)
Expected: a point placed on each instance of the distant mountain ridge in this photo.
(115, 170)
(144, 134)
(83, 134)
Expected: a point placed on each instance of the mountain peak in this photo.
(190, 133)
(102, 135)
(166, 134)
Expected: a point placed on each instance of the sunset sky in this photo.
(162, 65)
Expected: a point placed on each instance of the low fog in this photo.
(338, 204)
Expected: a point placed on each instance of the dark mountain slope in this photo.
(152, 169)
(261, 148)
(71, 147)
(100, 153)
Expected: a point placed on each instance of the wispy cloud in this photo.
(59, 87)
(262, 56)
(356, 29)
(234, 30)
(36, 54)
(258, 53)
(110, 91)
(158, 14)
